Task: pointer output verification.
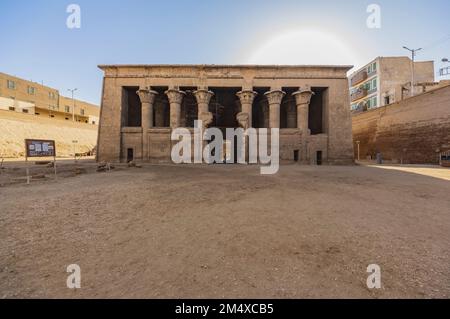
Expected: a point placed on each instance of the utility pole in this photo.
(73, 101)
(413, 55)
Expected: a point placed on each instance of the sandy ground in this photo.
(426, 170)
(226, 231)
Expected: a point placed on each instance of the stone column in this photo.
(175, 99)
(303, 99)
(244, 118)
(203, 96)
(147, 98)
(274, 98)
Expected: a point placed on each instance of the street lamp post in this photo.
(73, 101)
(413, 55)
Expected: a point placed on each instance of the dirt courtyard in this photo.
(228, 232)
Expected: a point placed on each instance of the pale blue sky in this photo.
(37, 45)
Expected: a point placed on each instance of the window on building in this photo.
(372, 68)
(370, 85)
(52, 95)
(31, 90)
(356, 106)
(25, 110)
(67, 109)
(12, 108)
(372, 102)
(11, 84)
(82, 111)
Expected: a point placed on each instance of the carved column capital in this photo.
(303, 99)
(146, 95)
(275, 97)
(246, 96)
(303, 96)
(203, 96)
(175, 96)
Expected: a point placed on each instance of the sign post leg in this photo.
(27, 170)
(54, 165)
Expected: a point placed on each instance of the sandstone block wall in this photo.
(412, 131)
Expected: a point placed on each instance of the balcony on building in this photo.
(371, 73)
(359, 77)
(372, 90)
(359, 94)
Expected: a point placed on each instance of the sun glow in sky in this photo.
(305, 47)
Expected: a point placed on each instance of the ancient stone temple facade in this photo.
(142, 104)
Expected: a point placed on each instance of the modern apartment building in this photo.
(387, 80)
(29, 97)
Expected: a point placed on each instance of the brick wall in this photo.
(412, 131)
